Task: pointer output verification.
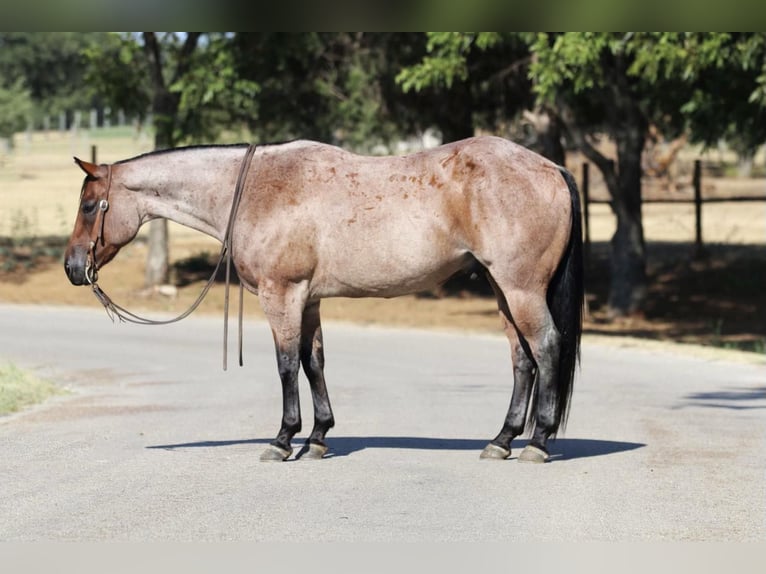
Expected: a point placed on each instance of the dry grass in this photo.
(20, 389)
(40, 182)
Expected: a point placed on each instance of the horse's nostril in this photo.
(73, 272)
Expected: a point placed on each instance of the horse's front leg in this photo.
(283, 306)
(312, 359)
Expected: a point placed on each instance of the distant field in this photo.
(40, 182)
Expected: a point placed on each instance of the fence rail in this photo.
(698, 200)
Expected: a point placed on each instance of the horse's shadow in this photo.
(560, 449)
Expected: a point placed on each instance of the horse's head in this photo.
(107, 219)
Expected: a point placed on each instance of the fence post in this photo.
(697, 182)
(586, 207)
(93, 154)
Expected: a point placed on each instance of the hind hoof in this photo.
(275, 454)
(312, 451)
(494, 452)
(533, 454)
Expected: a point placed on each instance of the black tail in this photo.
(566, 300)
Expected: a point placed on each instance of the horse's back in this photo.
(389, 225)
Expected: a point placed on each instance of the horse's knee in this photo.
(523, 365)
(287, 365)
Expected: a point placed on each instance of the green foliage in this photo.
(211, 95)
(472, 80)
(725, 76)
(118, 75)
(51, 65)
(447, 59)
(189, 82)
(336, 87)
(572, 58)
(15, 108)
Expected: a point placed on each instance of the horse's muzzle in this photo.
(75, 263)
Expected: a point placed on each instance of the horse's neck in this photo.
(193, 188)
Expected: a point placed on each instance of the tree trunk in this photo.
(165, 110)
(550, 136)
(627, 292)
(157, 268)
(156, 271)
(456, 123)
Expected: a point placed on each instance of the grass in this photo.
(20, 389)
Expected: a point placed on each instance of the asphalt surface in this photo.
(155, 442)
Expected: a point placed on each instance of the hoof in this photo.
(533, 454)
(312, 451)
(275, 454)
(494, 452)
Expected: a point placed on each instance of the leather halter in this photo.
(115, 310)
(91, 268)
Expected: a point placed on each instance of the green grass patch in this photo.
(20, 389)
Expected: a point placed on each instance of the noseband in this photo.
(115, 310)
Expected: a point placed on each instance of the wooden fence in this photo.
(697, 200)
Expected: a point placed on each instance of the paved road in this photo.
(156, 442)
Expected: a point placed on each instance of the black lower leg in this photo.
(523, 382)
(312, 359)
(291, 413)
(546, 404)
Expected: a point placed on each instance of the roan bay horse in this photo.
(315, 221)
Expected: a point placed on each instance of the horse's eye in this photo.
(89, 207)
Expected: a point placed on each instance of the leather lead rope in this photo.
(115, 310)
(243, 171)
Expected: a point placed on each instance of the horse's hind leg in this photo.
(530, 315)
(523, 382)
(283, 306)
(312, 359)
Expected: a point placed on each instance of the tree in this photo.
(344, 87)
(591, 85)
(726, 74)
(333, 87)
(50, 68)
(586, 77)
(187, 81)
(481, 81)
(15, 110)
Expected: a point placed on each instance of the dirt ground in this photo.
(714, 298)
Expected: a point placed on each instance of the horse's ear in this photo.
(91, 169)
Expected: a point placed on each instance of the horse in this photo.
(311, 220)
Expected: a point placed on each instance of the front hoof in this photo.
(275, 454)
(312, 451)
(533, 454)
(494, 452)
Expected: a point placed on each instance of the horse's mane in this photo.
(159, 152)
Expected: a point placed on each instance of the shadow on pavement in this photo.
(560, 449)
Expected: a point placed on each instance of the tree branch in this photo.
(154, 57)
(604, 164)
(184, 57)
